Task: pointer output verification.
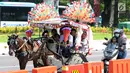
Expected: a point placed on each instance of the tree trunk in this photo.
(110, 14)
(116, 14)
(106, 13)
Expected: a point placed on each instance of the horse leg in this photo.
(35, 63)
(45, 60)
(22, 63)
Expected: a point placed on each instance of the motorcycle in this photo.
(110, 53)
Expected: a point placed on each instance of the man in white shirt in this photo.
(70, 37)
(66, 38)
(70, 40)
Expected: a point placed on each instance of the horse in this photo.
(24, 53)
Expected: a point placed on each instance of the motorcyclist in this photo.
(121, 40)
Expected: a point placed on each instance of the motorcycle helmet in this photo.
(122, 31)
(117, 33)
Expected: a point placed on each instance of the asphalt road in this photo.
(8, 63)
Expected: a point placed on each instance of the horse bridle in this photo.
(13, 43)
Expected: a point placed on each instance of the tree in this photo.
(110, 13)
(107, 8)
(106, 13)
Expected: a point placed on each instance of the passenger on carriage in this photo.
(66, 37)
(84, 43)
(73, 33)
(67, 40)
(45, 34)
(55, 35)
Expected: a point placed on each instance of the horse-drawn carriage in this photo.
(79, 51)
(48, 49)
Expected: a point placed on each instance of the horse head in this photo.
(12, 43)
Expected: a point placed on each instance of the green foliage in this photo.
(123, 19)
(101, 7)
(36, 30)
(64, 2)
(15, 29)
(107, 30)
(101, 30)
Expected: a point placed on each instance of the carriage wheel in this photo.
(77, 58)
(40, 63)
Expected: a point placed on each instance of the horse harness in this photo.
(18, 47)
(23, 46)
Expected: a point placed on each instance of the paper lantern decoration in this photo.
(42, 12)
(81, 11)
(66, 33)
(29, 33)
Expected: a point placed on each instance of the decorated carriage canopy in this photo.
(58, 23)
(46, 14)
(42, 12)
(79, 11)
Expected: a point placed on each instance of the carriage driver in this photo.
(28, 37)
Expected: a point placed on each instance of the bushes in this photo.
(127, 31)
(101, 29)
(23, 29)
(107, 30)
(15, 29)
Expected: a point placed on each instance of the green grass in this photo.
(100, 36)
(96, 36)
(4, 37)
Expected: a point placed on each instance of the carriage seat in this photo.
(37, 44)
